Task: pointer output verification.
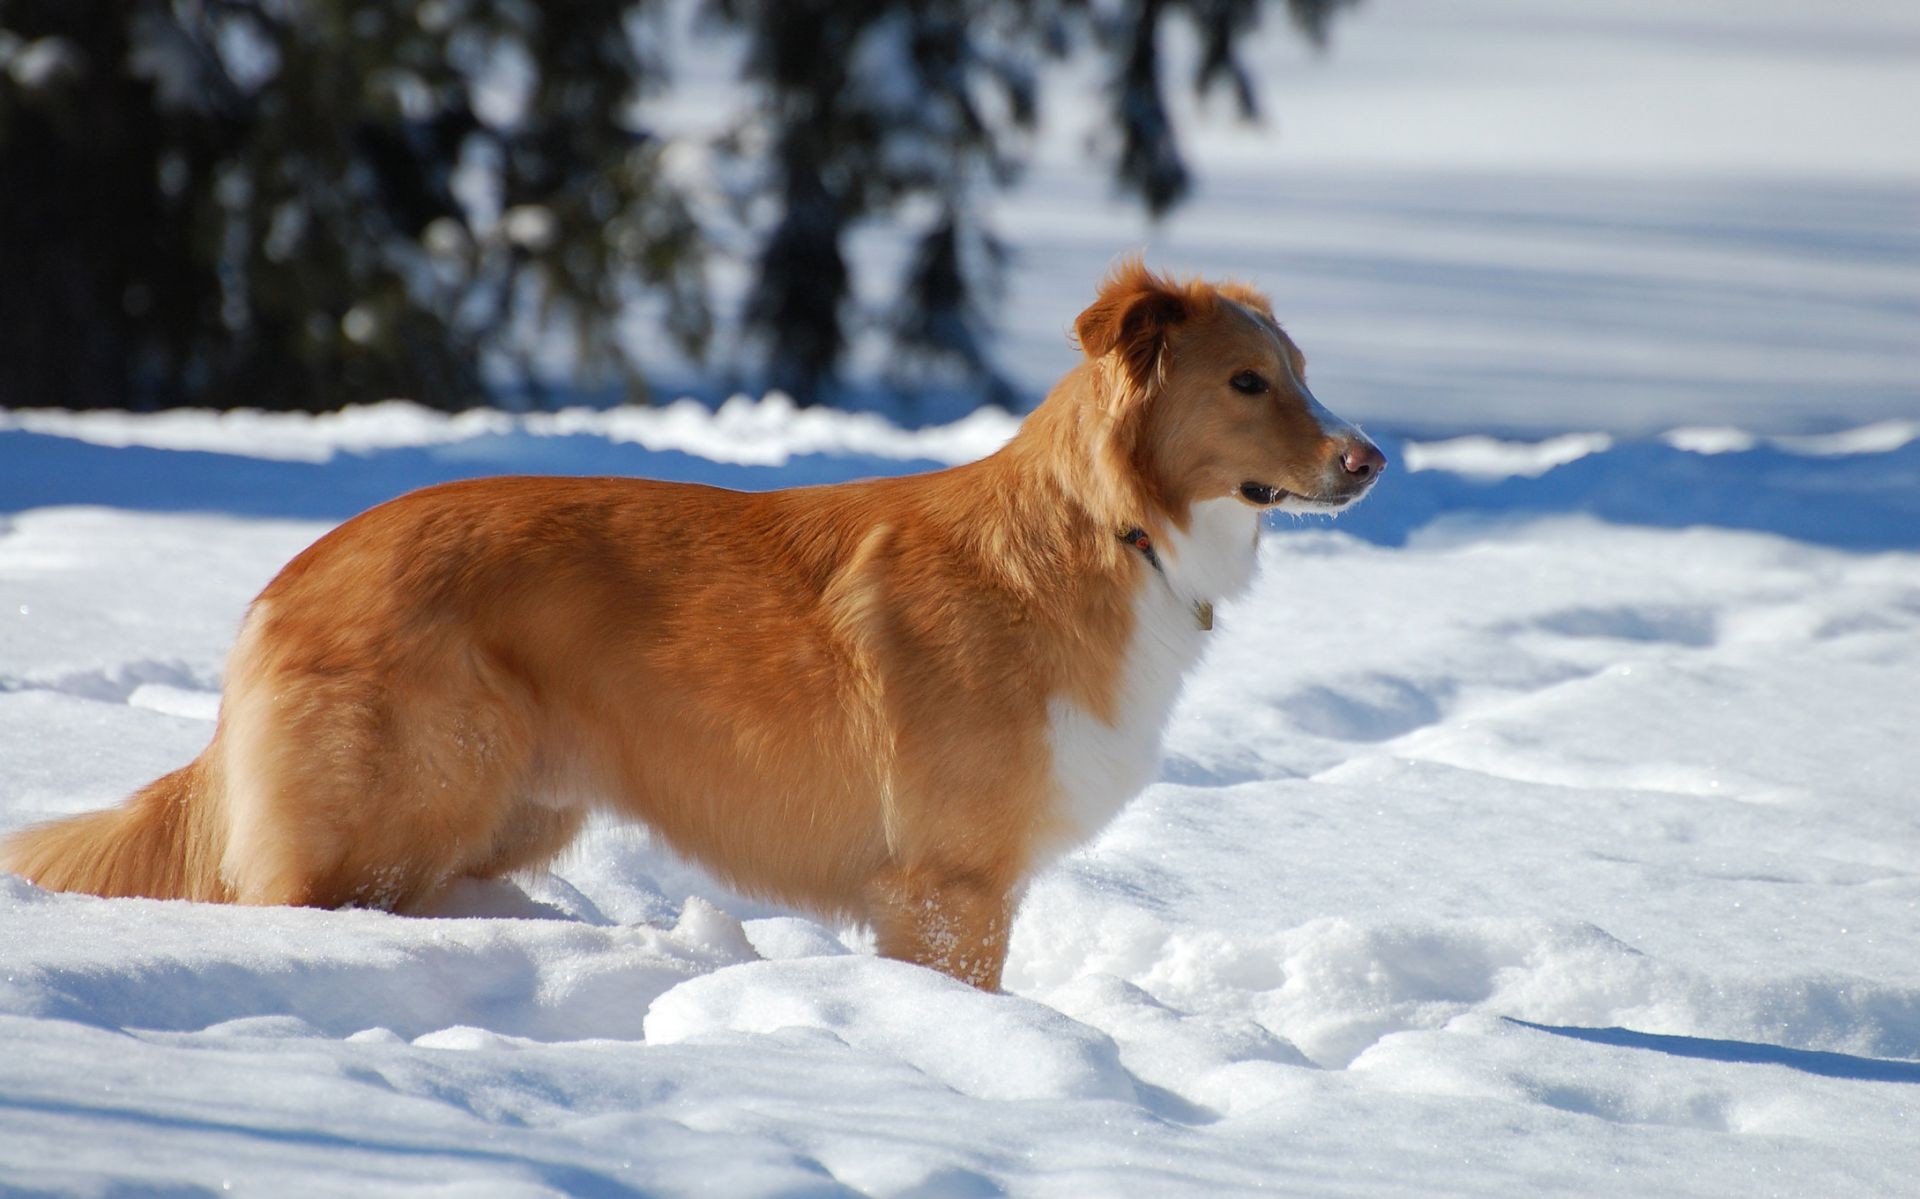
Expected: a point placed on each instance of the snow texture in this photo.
(1545, 825)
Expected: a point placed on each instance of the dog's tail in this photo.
(162, 843)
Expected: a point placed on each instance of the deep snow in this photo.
(1545, 825)
(1503, 851)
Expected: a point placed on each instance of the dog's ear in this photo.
(1247, 297)
(1131, 317)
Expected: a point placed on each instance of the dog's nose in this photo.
(1363, 459)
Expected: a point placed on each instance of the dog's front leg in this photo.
(955, 921)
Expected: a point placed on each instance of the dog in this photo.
(890, 700)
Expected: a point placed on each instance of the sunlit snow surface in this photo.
(1546, 825)
(1502, 846)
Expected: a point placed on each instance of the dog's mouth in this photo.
(1261, 495)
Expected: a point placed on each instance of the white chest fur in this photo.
(1099, 766)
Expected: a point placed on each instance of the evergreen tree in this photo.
(304, 203)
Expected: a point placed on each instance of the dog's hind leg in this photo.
(355, 792)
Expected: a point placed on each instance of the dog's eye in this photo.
(1248, 383)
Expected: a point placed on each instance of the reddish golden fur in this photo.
(836, 696)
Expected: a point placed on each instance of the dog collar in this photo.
(1138, 539)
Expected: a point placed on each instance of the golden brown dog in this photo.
(890, 700)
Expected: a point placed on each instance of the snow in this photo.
(1490, 458)
(1543, 825)
(769, 431)
(1493, 852)
(41, 64)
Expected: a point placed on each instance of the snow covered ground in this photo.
(1545, 826)
(1506, 844)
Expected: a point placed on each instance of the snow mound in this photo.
(207, 967)
(986, 1046)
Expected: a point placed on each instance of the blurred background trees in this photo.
(299, 204)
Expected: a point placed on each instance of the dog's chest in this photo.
(1099, 765)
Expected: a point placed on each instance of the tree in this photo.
(297, 204)
(874, 104)
(303, 203)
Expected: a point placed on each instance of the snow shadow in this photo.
(40, 470)
(1856, 501)
(1807, 1061)
(1863, 501)
(566, 1178)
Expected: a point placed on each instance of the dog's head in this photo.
(1208, 399)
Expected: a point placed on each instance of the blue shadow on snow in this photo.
(1807, 1061)
(39, 470)
(1861, 502)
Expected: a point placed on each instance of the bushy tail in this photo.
(161, 844)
